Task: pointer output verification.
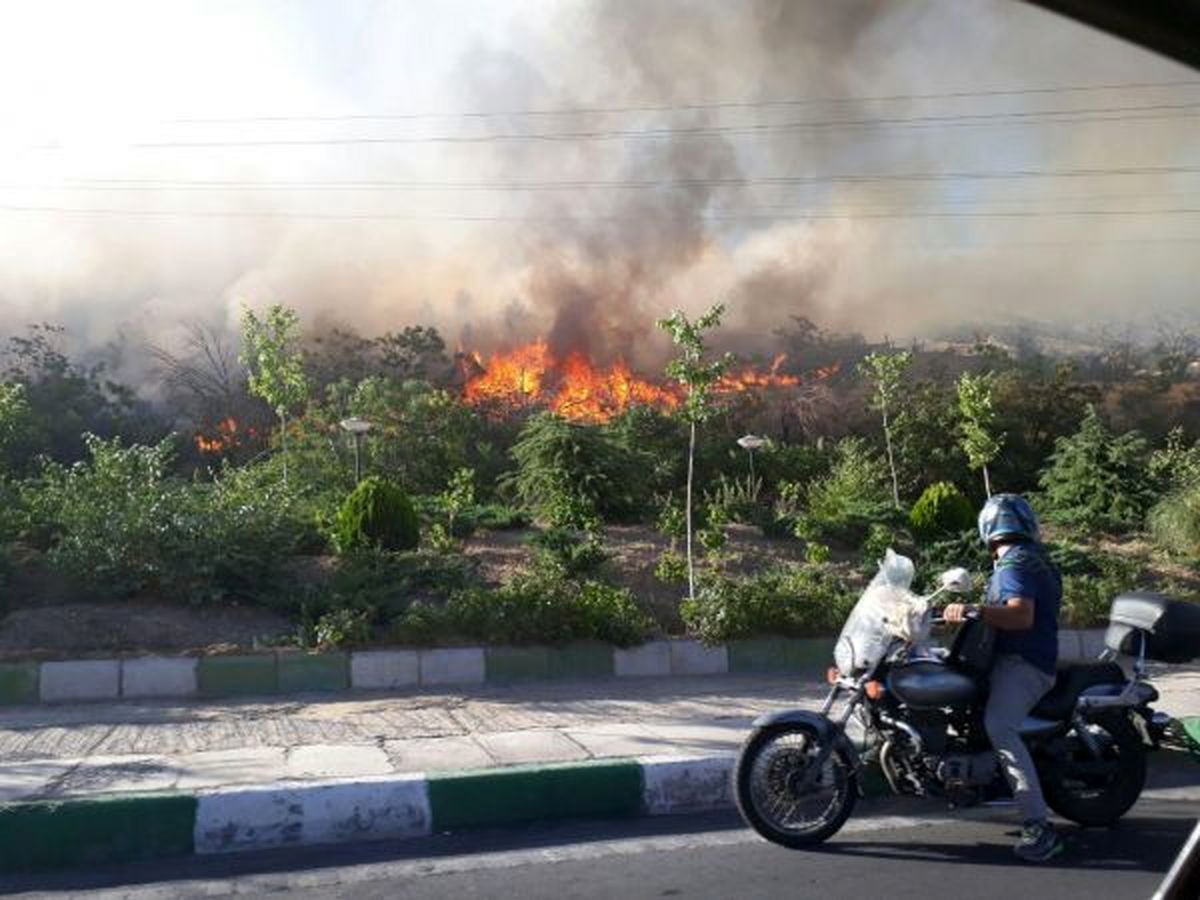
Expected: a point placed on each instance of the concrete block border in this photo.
(44, 835)
(292, 671)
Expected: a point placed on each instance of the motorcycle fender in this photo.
(830, 735)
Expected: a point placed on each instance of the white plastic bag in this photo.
(887, 610)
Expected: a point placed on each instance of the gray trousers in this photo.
(1017, 686)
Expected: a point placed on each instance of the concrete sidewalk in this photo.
(191, 777)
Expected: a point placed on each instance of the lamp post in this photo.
(358, 429)
(750, 443)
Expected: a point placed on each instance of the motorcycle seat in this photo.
(1073, 680)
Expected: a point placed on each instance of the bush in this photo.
(376, 514)
(120, 525)
(1098, 480)
(789, 600)
(538, 608)
(570, 552)
(1088, 598)
(843, 504)
(941, 512)
(671, 567)
(342, 627)
(1175, 521)
(965, 549)
(571, 475)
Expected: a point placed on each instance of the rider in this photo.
(1023, 599)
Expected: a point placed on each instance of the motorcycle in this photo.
(916, 711)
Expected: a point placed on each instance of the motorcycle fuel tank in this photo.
(929, 684)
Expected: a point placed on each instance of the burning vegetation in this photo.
(227, 436)
(578, 388)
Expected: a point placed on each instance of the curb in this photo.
(290, 672)
(43, 835)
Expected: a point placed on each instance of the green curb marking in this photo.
(18, 683)
(779, 654)
(1191, 732)
(299, 672)
(529, 793)
(227, 676)
(504, 664)
(45, 834)
(581, 660)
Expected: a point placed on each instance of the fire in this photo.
(749, 379)
(229, 436)
(580, 389)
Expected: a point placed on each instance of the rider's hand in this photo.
(955, 612)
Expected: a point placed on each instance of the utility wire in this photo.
(733, 216)
(1027, 117)
(679, 107)
(636, 184)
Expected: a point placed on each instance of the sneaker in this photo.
(1039, 842)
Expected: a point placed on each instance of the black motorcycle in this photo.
(917, 713)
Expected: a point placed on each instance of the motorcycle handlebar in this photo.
(973, 613)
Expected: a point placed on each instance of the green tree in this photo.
(274, 363)
(979, 439)
(1098, 479)
(698, 375)
(14, 417)
(886, 371)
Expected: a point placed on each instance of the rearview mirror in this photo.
(956, 581)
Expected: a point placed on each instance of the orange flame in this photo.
(578, 388)
(229, 435)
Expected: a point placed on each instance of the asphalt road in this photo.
(907, 850)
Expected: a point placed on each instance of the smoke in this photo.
(591, 268)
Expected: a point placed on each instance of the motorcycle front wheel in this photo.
(782, 796)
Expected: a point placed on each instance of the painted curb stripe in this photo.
(44, 834)
(608, 789)
(269, 674)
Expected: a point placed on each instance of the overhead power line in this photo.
(742, 215)
(631, 184)
(765, 103)
(1025, 117)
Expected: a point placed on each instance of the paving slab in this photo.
(32, 778)
(216, 768)
(337, 761)
(523, 747)
(437, 754)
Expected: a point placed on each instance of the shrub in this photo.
(1098, 480)
(788, 600)
(875, 545)
(343, 627)
(941, 512)
(378, 514)
(541, 607)
(1088, 598)
(1175, 521)
(671, 567)
(572, 474)
(844, 503)
(965, 549)
(570, 552)
(817, 553)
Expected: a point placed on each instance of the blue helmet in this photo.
(1008, 515)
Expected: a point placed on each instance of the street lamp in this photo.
(750, 443)
(358, 429)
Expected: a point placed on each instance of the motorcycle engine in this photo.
(965, 775)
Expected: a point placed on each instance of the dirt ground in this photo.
(47, 619)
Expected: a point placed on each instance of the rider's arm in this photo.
(1015, 614)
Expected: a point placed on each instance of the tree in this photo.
(274, 363)
(975, 406)
(1097, 479)
(698, 376)
(886, 371)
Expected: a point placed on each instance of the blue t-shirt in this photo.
(1026, 571)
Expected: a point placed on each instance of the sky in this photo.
(574, 168)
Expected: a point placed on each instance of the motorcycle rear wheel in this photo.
(1095, 793)
(773, 780)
